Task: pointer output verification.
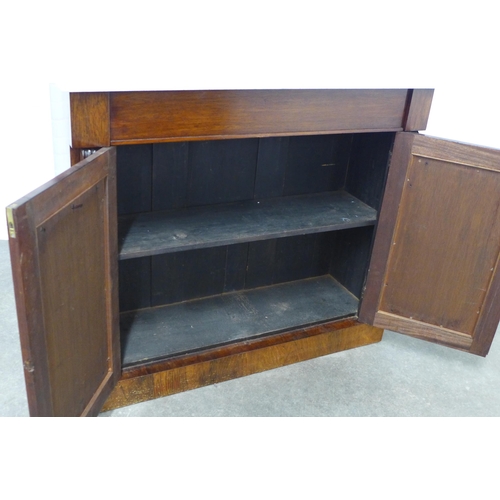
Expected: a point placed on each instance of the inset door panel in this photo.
(441, 262)
(58, 236)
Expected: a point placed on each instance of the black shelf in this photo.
(155, 233)
(184, 327)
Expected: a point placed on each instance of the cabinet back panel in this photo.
(271, 167)
(170, 175)
(302, 257)
(236, 267)
(221, 171)
(287, 259)
(316, 164)
(260, 264)
(135, 283)
(133, 177)
(185, 174)
(203, 173)
(181, 276)
(200, 273)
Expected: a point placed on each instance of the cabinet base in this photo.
(218, 365)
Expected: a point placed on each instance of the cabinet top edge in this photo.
(253, 90)
(106, 118)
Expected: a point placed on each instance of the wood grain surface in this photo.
(65, 278)
(166, 116)
(90, 120)
(443, 223)
(240, 360)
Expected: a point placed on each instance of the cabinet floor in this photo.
(399, 376)
(187, 326)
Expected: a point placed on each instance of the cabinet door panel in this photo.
(434, 272)
(64, 258)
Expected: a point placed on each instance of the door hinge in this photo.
(10, 223)
(88, 152)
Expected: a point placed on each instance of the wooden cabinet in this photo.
(216, 234)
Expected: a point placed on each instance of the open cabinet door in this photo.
(63, 246)
(434, 272)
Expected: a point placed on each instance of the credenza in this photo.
(202, 236)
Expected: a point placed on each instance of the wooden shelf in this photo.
(208, 226)
(185, 327)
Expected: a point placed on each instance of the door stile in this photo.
(385, 227)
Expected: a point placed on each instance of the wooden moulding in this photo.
(116, 118)
(146, 117)
(90, 120)
(418, 109)
(238, 360)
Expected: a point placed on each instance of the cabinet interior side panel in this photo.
(368, 166)
(350, 257)
(365, 179)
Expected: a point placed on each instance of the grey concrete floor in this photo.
(399, 376)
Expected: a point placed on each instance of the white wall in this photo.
(89, 46)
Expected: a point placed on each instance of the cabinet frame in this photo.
(121, 118)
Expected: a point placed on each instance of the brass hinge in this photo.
(10, 223)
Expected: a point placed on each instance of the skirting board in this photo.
(178, 375)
